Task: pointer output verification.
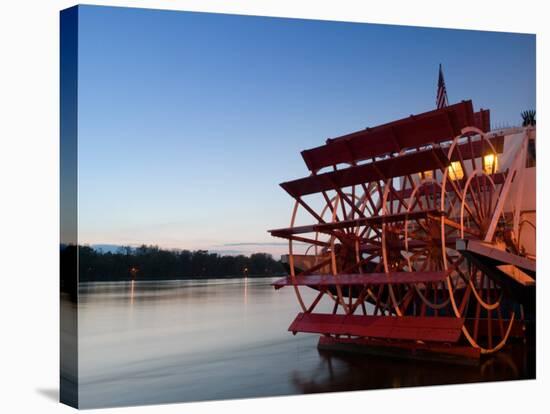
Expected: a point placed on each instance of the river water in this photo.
(180, 341)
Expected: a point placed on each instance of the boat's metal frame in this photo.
(393, 208)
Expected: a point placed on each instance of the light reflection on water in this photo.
(158, 342)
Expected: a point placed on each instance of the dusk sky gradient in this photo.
(189, 121)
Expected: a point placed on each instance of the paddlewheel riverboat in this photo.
(418, 235)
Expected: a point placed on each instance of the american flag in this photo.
(441, 99)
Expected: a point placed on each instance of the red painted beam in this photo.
(416, 328)
(407, 349)
(491, 251)
(477, 149)
(411, 132)
(364, 221)
(482, 120)
(400, 245)
(355, 279)
(409, 163)
(498, 178)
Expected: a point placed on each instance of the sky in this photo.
(187, 122)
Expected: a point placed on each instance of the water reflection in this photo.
(149, 342)
(341, 372)
(245, 290)
(132, 286)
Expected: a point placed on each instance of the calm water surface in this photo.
(161, 342)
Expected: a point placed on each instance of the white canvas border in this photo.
(29, 33)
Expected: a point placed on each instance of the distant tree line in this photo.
(154, 263)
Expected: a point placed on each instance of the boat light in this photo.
(490, 163)
(455, 171)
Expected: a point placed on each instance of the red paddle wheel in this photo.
(380, 229)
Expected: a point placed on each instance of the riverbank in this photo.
(153, 263)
